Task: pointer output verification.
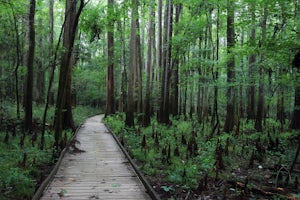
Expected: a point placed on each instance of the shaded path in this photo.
(101, 172)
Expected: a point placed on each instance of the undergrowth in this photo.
(186, 155)
(23, 166)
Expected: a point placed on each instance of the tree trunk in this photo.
(231, 97)
(139, 68)
(215, 116)
(29, 64)
(200, 87)
(68, 121)
(110, 97)
(164, 105)
(159, 41)
(146, 121)
(260, 104)
(17, 45)
(252, 63)
(132, 65)
(295, 123)
(65, 71)
(123, 64)
(175, 66)
(40, 74)
(51, 39)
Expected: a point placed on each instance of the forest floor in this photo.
(182, 162)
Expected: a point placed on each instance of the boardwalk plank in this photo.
(100, 172)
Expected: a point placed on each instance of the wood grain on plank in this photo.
(100, 172)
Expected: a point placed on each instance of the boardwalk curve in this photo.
(101, 172)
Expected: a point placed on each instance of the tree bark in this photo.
(49, 98)
(123, 64)
(29, 64)
(164, 105)
(51, 39)
(295, 123)
(252, 63)
(146, 121)
(215, 115)
(17, 45)
(110, 97)
(132, 65)
(64, 93)
(139, 68)
(175, 67)
(159, 40)
(231, 96)
(40, 73)
(260, 104)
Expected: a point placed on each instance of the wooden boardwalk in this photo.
(101, 172)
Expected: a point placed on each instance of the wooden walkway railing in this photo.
(102, 171)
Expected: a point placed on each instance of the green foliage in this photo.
(19, 180)
(186, 170)
(16, 181)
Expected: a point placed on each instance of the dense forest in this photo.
(198, 91)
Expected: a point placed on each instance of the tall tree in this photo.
(17, 45)
(70, 31)
(110, 97)
(231, 96)
(122, 30)
(139, 68)
(159, 40)
(29, 64)
(164, 110)
(260, 103)
(175, 68)
(132, 65)
(51, 39)
(63, 95)
(40, 72)
(146, 120)
(252, 63)
(215, 72)
(295, 123)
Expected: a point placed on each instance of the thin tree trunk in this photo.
(139, 71)
(17, 45)
(51, 39)
(260, 105)
(123, 64)
(40, 74)
(154, 78)
(231, 96)
(49, 93)
(280, 95)
(146, 121)
(29, 64)
(159, 40)
(110, 97)
(252, 63)
(200, 88)
(215, 116)
(295, 123)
